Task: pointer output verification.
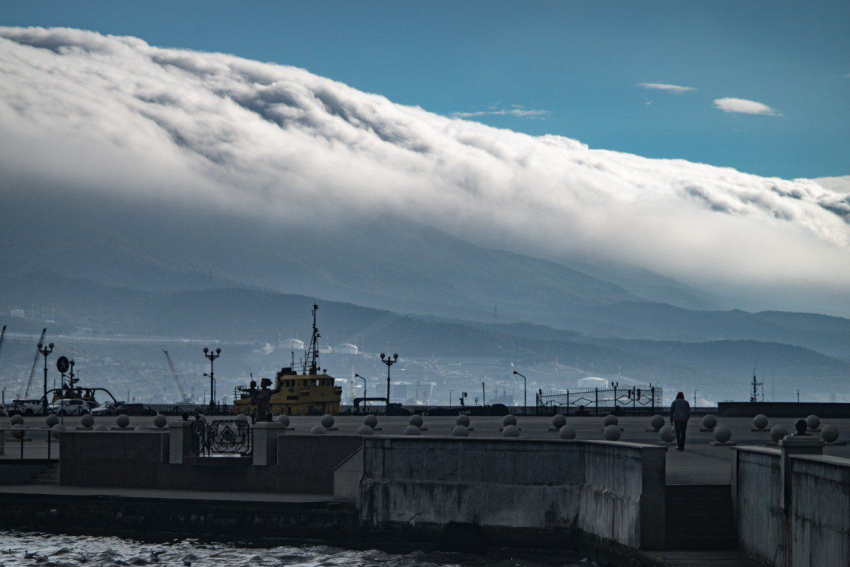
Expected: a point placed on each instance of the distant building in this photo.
(19, 313)
(346, 348)
(292, 344)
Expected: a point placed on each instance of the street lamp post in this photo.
(364, 389)
(45, 351)
(525, 391)
(450, 398)
(389, 361)
(212, 355)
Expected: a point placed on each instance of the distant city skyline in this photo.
(762, 87)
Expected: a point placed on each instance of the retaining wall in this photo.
(814, 531)
(140, 459)
(514, 488)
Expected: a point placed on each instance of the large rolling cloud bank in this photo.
(84, 112)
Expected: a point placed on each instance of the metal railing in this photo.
(222, 437)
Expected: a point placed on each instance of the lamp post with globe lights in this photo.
(212, 355)
(389, 361)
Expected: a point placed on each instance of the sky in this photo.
(763, 87)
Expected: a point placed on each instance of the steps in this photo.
(49, 477)
(700, 517)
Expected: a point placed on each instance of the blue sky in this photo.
(577, 63)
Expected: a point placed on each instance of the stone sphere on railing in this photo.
(18, 431)
(17, 419)
(462, 420)
(800, 426)
(722, 434)
(778, 432)
(327, 421)
(558, 421)
(51, 420)
(567, 432)
(509, 420)
(122, 421)
(460, 431)
(319, 430)
(283, 420)
(666, 433)
(57, 430)
(371, 421)
(813, 421)
(87, 421)
(160, 421)
(657, 422)
(612, 433)
(709, 422)
(611, 420)
(411, 430)
(365, 430)
(510, 431)
(101, 427)
(241, 417)
(416, 420)
(760, 421)
(829, 433)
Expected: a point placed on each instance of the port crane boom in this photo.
(34, 363)
(186, 399)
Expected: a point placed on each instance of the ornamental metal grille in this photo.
(222, 437)
(594, 398)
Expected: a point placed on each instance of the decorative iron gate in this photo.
(594, 399)
(222, 437)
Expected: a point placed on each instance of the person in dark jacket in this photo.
(680, 413)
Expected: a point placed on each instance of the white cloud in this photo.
(674, 89)
(114, 117)
(743, 106)
(517, 110)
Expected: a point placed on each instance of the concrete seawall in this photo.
(414, 487)
(807, 524)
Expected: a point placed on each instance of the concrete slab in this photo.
(48, 490)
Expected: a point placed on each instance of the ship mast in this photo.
(313, 351)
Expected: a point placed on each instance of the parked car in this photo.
(26, 407)
(106, 409)
(71, 407)
(131, 409)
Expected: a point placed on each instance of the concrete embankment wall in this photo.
(140, 459)
(783, 409)
(807, 527)
(514, 489)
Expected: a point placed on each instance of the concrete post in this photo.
(2, 442)
(795, 445)
(179, 442)
(265, 442)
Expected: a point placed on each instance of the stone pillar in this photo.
(179, 442)
(265, 442)
(795, 445)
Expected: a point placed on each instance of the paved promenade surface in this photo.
(701, 559)
(260, 497)
(700, 463)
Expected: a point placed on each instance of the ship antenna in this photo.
(313, 352)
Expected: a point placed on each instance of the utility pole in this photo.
(483, 395)
(389, 361)
(212, 355)
(45, 351)
(798, 396)
(364, 389)
(695, 398)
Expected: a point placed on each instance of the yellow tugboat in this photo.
(310, 393)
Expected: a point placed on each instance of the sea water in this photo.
(49, 550)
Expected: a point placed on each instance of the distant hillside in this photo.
(262, 316)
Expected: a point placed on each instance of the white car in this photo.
(71, 407)
(105, 409)
(25, 407)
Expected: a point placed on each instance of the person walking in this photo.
(680, 413)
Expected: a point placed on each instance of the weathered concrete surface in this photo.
(19, 473)
(757, 496)
(815, 529)
(418, 485)
(347, 477)
(820, 511)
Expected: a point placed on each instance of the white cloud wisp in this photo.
(118, 118)
(674, 89)
(743, 106)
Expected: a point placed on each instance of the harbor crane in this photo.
(186, 399)
(34, 363)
